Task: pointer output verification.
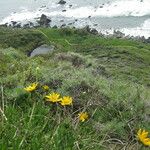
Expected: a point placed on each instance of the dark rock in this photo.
(95, 24)
(76, 20)
(31, 24)
(91, 30)
(70, 6)
(89, 16)
(13, 23)
(70, 23)
(27, 25)
(43, 6)
(18, 25)
(140, 38)
(118, 34)
(44, 20)
(64, 10)
(94, 31)
(63, 25)
(87, 28)
(61, 20)
(101, 6)
(62, 2)
(55, 27)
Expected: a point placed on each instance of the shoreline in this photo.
(62, 14)
(45, 22)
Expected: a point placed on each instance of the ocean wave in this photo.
(143, 30)
(137, 8)
(113, 9)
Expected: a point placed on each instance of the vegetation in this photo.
(107, 81)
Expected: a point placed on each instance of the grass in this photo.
(108, 78)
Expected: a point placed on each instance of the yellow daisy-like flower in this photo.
(66, 100)
(31, 87)
(83, 116)
(54, 97)
(143, 137)
(45, 87)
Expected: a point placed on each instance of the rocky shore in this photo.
(45, 21)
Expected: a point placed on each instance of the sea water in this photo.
(129, 16)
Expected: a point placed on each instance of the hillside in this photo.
(108, 78)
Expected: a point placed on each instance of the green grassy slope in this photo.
(106, 77)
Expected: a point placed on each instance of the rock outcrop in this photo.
(44, 20)
(62, 2)
(41, 50)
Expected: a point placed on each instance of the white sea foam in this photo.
(114, 9)
(143, 30)
(22, 16)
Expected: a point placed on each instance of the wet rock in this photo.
(62, 2)
(70, 24)
(95, 24)
(13, 23)
(27, 25)
(94, 31)
(43, 6)
(31, 24)
(44, 20)
(63, 25)
(87, 28)
(140, 38)
(18, 25)
(64, 10)
(91, 30)
(118, 34)
(41, 50)
(55, 27)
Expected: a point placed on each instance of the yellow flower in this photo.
(83, 116)
(54, 97)
(31, 87)
(66, 100)
(143, 137)
(45, 87)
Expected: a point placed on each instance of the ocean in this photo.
(131, 17)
